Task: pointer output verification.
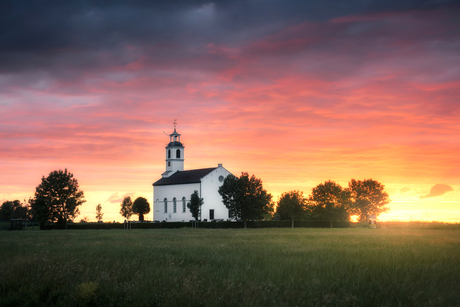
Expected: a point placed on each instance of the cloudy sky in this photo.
(295, 92)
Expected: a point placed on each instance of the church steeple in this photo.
(174, 154)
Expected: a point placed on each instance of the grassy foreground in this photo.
(231, 267)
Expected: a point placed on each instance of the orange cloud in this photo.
(437, 190)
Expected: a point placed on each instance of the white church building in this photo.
(172, 192)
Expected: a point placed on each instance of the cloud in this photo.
(115, 198)
(404, 190)
(437, 190)
(342, 89)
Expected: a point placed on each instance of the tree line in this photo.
(246, 199)
(58, 197)
(56, 200)
(328, 201)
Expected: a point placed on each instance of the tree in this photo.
(99, 213)
(126, 207)
(291, 205)
(57, 198)
(329, 202)
(367, 197)
(8, 209)
(245, 197)
(21, 212)
(141, 206)
(195, 205)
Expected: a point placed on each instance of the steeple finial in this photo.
(175, 124)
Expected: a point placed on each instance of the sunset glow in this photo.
(294, 94)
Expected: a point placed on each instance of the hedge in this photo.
(208, 225)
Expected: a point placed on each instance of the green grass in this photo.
(231, 267)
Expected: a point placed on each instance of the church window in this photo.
(169, 153)
(178, 154)
(174, 205)
(169, 163)
(183, 205)
(166, 205)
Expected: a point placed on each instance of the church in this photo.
(172, 192)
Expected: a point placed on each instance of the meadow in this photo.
(231, 267)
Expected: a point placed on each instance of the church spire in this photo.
(174, 154)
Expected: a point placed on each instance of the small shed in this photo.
(373, 221)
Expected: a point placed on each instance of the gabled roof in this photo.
(183, 177)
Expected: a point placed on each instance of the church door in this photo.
(211, 214)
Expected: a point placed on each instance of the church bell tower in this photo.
(174, 154)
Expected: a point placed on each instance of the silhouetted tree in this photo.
(57, 198)
(367, 197)
(195, 204)
(291, 205)
(141, 206)
(126, 207)
(245, 197)
(329, 202)
(8, 209)
(99, 213)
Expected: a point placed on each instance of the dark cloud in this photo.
(437, 190)
(46, 34)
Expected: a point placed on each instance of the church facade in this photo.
(172, 192)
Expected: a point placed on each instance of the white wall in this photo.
(176, 164)
(170, 191)
(207, 189)
(212, 200)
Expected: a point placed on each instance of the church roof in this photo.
(183, 177)
(175, 143)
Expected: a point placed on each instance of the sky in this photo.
(294, 92)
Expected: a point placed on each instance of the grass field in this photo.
(231, 267)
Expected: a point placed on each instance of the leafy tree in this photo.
(141, 206)
(99, 213)
(126, 207)
(21, 212)
(245, 197)
(195, 204)
(367, 197)
(291, 205)
(57, 198)
(329, 202)
(8, 209)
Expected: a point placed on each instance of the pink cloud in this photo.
(355, 97)
(118, 199)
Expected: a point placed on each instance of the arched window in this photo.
(174, 205)
(166, 205)
(169, 153)
(178, 154)
(183, 205)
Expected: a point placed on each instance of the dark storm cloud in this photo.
(60, 35)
